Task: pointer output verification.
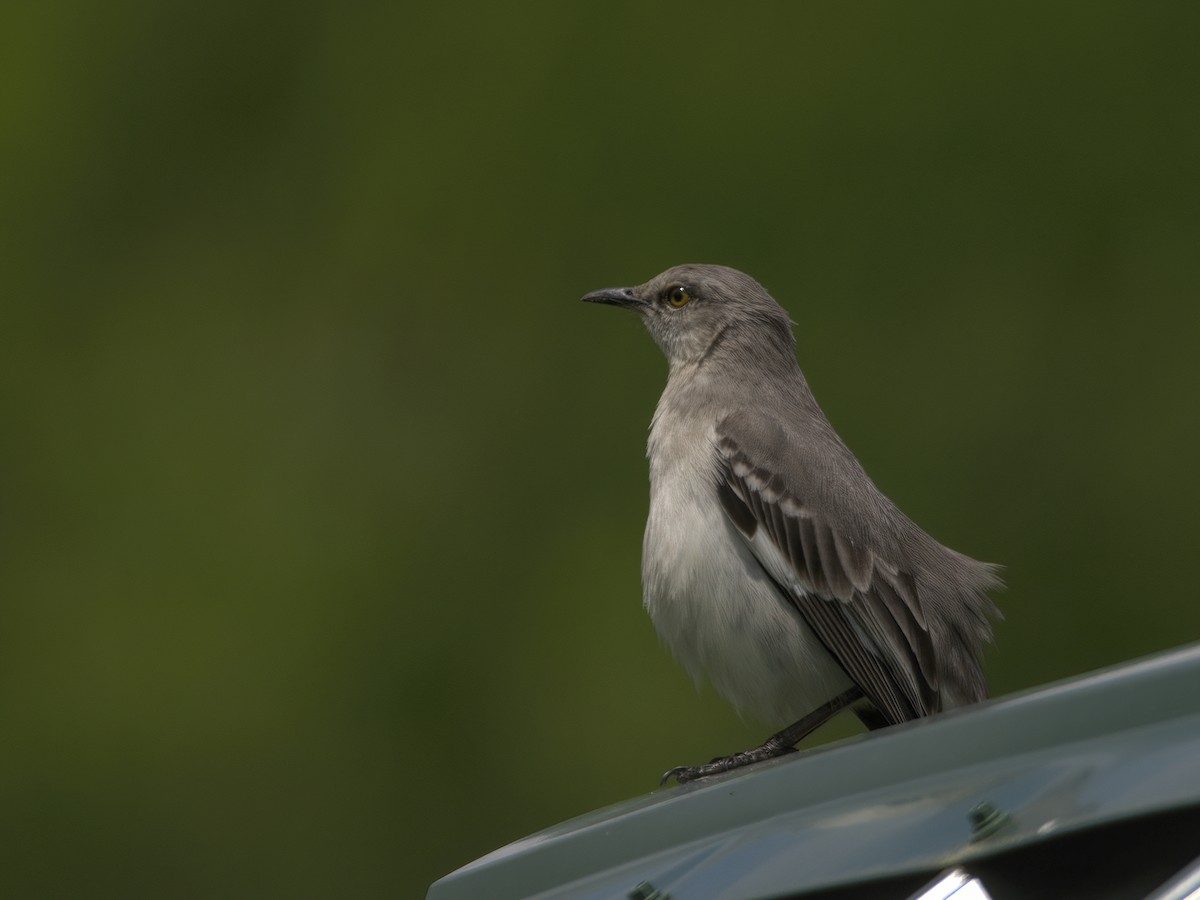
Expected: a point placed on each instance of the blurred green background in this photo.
(321, 495)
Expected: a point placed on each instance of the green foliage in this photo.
(321, 495)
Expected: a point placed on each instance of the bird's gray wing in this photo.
(864, 608)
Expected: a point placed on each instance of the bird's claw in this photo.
(682, 774)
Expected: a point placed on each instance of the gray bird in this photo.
(771, 562)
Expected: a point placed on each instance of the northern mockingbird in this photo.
(771, 563)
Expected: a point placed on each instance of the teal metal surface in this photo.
(923, 796)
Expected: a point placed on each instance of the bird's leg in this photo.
(779, 744)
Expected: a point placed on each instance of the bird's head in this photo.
(691, 311)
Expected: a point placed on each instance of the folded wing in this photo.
(864, 607)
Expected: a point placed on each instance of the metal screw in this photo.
(985, 820)
(646, 891)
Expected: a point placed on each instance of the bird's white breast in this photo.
(707, 593)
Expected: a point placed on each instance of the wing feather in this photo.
(864, 608)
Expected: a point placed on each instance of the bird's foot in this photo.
(684, 774)
(776, 745)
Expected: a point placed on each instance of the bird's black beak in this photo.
(616, 297)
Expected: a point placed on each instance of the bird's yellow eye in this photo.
(678, 296)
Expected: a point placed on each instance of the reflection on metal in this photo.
(1184, 886)
(955, 884)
